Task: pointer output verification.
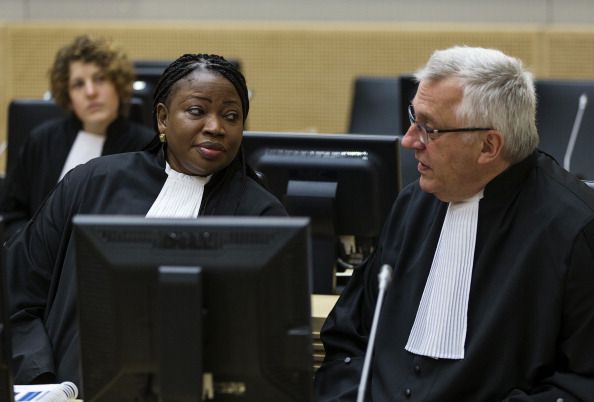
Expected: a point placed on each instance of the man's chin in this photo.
(426, 184)
(423, 183)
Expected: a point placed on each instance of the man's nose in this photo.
(412, 138)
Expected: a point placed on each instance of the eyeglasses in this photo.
(432, 133)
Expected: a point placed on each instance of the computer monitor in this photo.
(219, 301)
(6, 381)
(345, 183)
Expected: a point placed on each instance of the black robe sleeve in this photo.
(38, 167)
(33, 263)
(16, 199)
(574, 378)
(233, 192)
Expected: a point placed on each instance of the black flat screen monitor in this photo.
(214, 306)
(345, 183)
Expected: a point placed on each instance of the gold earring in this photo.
(162, 137)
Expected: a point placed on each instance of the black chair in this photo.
(23, 116)
(26, 114)
(557, 106)
(375, 105)
(379, 106)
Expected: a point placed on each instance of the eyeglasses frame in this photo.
(432, 133)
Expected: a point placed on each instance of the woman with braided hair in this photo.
(193, 167)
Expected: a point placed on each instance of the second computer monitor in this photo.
(346, 184)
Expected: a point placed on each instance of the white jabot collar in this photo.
(180, 196)
(440, 325)
(85, 147)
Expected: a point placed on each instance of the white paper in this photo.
(63, 392)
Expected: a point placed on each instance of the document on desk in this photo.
(63, 392)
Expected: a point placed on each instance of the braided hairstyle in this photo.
(182, 67)
(187, 63)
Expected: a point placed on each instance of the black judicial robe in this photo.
(44, 153)
(40, 258)
(530, 330)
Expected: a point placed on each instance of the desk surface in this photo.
(320, 308)
(322, 304)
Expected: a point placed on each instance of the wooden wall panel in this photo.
(569, 53)
(300, 74)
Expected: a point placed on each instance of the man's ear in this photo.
(162, 117)
(492, 146)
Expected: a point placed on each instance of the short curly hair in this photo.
(103, 52)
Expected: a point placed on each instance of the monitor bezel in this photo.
(123, 225)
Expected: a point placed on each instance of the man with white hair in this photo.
(492, 296)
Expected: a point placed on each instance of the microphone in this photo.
(384, 278)
(583, 102)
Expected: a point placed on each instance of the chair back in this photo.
(379, 106)
(23, 116)
(26, 114)
(375, 105)
(556, 112)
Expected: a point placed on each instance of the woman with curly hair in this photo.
(92, 79)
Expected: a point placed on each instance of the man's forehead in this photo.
(445, 87)
(444, 93)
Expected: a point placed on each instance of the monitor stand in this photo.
(180, 334)
(317, 200)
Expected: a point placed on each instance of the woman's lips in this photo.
(210, 150)
(94, 107)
